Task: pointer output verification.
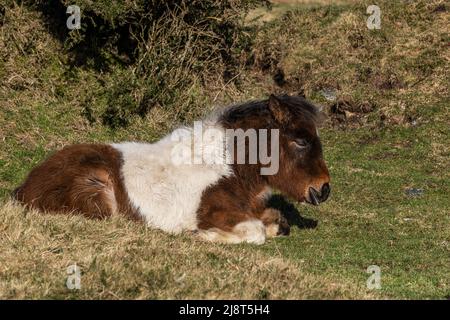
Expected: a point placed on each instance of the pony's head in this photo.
(302, 174)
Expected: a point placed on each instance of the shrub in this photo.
(155, 50)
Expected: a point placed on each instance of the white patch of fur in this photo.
(218, 235)
(265, 194)
(272, 230)
(250, 231)
(167, 194)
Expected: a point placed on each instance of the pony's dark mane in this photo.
(297, 106)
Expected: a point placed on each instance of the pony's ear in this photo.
(278, 109)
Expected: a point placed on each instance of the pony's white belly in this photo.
(166, 195)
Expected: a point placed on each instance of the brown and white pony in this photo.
(224, 202)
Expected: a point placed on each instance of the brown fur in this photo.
(236, 199)
(82, 178)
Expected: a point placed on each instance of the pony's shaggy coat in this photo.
(167, 195)
(219, 202)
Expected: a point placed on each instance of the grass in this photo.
(374, 158)
(120, 259)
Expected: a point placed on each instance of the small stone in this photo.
(329, 94)
(414, 192)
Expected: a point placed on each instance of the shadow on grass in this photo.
(290, 212)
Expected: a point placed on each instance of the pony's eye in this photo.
(300, 144)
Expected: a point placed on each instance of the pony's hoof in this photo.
(283, 228)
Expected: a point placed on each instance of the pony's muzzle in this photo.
(316, 197)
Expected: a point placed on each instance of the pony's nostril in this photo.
(316, 197)
(325, 192)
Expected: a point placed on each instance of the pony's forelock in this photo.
(299, 107)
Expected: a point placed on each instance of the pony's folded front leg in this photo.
(232, 227)
(275, 223)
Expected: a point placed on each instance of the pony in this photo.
(221, 201)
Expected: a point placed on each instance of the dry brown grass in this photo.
(25, 44)
(121, 259)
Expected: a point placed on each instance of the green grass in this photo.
(369, 219)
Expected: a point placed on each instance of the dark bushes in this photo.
(154, 51)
